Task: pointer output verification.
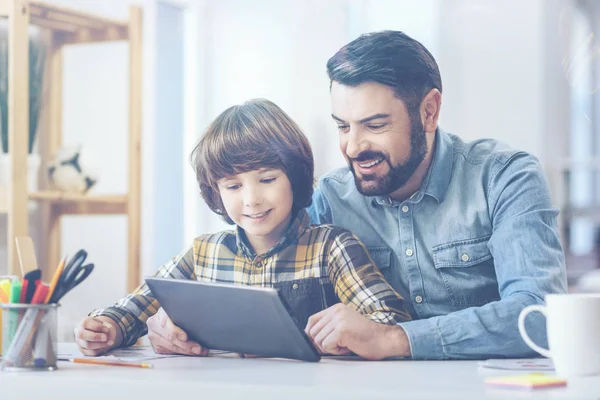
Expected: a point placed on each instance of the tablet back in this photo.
(236, 318)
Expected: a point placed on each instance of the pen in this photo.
(13, 316)
(107, 362)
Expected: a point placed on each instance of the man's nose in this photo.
(356, 144)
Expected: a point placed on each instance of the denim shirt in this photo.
(468, 251)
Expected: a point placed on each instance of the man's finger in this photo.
(323, 334)
(324, 320)
(314, 319)
(334, 344)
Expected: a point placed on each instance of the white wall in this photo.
(491, 60)
(491, 56)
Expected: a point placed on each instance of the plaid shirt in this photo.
(331, 257)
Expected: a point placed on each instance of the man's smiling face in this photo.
(382, 143)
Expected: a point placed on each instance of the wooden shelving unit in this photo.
(65, 27)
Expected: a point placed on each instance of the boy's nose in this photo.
(252, 198)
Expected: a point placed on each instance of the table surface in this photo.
(233, 377)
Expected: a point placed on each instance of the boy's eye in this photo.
(233, 186)
(268, 180)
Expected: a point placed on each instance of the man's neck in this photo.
(416, 180)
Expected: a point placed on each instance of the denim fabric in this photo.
(468, 251)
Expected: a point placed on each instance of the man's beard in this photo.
(398, 175)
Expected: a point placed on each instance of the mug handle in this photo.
(523, 331)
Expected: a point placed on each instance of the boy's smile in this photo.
(260, 202)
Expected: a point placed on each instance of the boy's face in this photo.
(260, 202)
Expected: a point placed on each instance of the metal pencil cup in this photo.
(29, 337)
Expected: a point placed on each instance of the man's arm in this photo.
(131, 312)
(529, 263)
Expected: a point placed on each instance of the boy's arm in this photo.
(131, 312)
(360, 284)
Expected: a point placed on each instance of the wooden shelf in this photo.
(71, 203)
(71, 26)
(66, 26)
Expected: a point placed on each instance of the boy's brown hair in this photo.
(257, 134)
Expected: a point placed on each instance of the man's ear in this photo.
(430, 110)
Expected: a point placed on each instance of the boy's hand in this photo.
(96, 335)
(167, 338)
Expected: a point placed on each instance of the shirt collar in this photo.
(438, 176)
(297, 227)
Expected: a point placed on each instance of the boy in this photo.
(255, 168)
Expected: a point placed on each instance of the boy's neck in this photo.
(260, 244)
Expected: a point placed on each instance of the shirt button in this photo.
(404, 208)
(258, 264)
(465, 257)
(409, 252)
(295, 286)
(419, 299)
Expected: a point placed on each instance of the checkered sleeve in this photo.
(132, 311)
(359, 283)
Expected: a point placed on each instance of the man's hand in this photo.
(96, 335)
(341, 330)
(167, 338)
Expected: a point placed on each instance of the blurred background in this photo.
(523, 72)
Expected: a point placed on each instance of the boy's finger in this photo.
(84, 344)
(175, 333)
(171, 346)
(94, 324)
(91, 336)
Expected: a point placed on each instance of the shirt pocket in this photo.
(382, 257)
(305, 297)
(467, 270)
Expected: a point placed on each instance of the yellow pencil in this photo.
(114, 363)
(55, 278)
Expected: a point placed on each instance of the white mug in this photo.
(573, 328)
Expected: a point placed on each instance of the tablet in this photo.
(237, 318)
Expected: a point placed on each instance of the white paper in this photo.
(132, 354)
(521, 364)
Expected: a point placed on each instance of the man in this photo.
(465, 231)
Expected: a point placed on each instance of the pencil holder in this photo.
(29, 337)
(6, 290)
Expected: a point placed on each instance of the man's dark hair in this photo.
(390, 58)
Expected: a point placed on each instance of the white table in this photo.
(236, 378)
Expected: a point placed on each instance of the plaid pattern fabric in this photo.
(332, 254)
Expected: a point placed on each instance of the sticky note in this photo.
(532, 381)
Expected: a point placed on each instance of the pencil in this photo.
(114, 363)
(55, 277)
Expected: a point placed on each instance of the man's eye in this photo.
(267, 180)
(378, 126)
(342, 127)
